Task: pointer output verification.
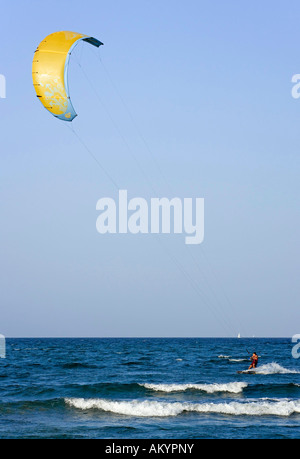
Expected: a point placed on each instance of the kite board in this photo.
(247, 372)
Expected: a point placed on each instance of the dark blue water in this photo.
(148, 388)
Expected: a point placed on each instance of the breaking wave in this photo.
(147, 408)
(234, 387)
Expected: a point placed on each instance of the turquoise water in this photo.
(148, 389)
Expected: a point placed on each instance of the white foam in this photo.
(234, 387)
(255, 408)
(129, 408)
(274, 368)
(148, 408)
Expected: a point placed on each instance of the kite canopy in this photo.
(50, 72)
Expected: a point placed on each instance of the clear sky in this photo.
(190, 99)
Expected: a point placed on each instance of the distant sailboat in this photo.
(239, 335)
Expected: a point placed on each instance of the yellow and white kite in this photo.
(50, 71)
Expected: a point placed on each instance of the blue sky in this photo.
(196, 96)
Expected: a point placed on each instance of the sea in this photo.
(149, 388)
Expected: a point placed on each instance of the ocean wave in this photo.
(148, 408)
(234, 387)
(274, 389)
(32, 404)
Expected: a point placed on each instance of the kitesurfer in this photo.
(254, 361)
